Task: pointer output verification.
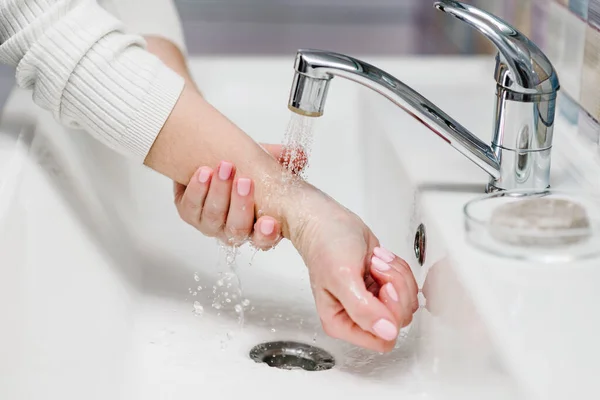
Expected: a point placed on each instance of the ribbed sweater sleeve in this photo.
(84, 67)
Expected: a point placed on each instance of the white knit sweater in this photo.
(89, 70)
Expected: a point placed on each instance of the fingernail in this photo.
(267, 227)
(385, 330)
(225, 170)
(379, 264)
(243, 186)
(389, 288)
(204, 175)
(384, 254)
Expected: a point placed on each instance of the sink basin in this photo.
(100, 277)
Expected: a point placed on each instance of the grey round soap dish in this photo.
(544, 226)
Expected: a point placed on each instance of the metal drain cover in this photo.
(292, 355)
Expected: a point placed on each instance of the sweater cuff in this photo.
(161, 98)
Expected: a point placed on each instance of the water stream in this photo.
(228, 290)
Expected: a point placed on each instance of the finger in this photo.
(216, 205)
(241, 211)
(366, 310)
(191, 201)
(337, 323)
(403, 268)
(267, 233)
(393, 290)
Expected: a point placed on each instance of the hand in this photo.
(220, 204)
(364, 294)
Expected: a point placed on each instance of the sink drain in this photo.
(292, 355)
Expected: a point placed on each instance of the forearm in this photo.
(197, 134)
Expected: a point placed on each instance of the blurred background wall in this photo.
(378, 27)
(359, 27)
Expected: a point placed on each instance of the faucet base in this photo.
(491, 188)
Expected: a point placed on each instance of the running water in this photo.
(227, 292)
(230, 283)
(297, 144)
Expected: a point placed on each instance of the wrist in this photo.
(279, 194)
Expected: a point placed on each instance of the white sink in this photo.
(97, 267)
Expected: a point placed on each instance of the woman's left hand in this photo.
(220, 204)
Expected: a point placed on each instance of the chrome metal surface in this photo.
(420, 244)
(521, 66)
(527, 84)
(292, 355)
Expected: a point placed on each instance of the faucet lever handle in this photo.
(521, 65)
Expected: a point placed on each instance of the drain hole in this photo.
(292, 355)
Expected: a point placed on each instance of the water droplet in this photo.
(220, 282)
(216, 306)
(230, 335)
(273, 330)
(227, 300)
(245, 302)
(195, 294)
(199, 288)
(198, 309)
(196, 278)
(238, 308)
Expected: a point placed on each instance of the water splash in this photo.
(229, 291)
(198, 309)
(297, 144)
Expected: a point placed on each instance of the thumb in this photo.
(178, 191)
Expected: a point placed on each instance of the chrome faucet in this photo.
(526, 90)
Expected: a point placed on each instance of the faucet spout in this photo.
(519, 156)
(316, 68)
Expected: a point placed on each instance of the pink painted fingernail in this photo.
(243, 186)
(379, 264)
(225, 170)
(267, 226)
(385, 330)
(204, 175)
(389, 288)
(384, 254)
